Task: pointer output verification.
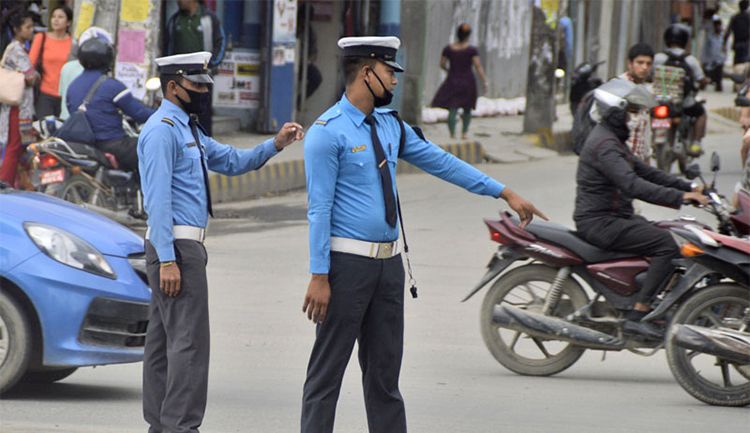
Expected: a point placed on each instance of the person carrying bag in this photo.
(77, 128)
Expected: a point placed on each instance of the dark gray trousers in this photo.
(367, 305)
(175, 363)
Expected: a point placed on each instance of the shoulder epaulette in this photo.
(168, 121)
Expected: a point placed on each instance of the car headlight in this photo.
(68, 249)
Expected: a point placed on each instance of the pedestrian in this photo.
(49, 52)
(459, 90)
(15, 122)
(739, 26)
(712, 56)
(640, 65)
(73, 68)
(356, 290)
(191, 29)
(175, 154)
(109, 99)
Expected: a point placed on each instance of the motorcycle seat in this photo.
(91, 152)
(564, 237)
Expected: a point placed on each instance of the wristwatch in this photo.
(165, 264)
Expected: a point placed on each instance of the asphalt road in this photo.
(261, 341)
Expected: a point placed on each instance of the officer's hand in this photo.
(525, 209)
(169, 279)
(695, 198)
(288, 134)
(317, 297)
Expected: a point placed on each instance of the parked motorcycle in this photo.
(537, 318)
(582, 81)
(708, 346)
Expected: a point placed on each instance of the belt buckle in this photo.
(385, 251)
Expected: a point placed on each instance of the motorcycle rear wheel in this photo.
(526, 287)
(77, 189)
(706, 377)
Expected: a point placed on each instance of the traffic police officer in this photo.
(174, 156)
(357, 287)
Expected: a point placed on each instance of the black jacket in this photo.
(609, 177)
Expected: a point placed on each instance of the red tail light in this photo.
(496, 236)
(47, 161)
(661, 112)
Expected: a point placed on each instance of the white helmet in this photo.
(95, 32)
(622, 94)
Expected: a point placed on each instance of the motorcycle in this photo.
(582, 81)
(537, 318)
(708, 345)
(82, 174)
(673, 132)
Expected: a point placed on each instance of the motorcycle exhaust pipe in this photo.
(728, 344)
(553, 328)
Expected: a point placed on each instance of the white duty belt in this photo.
(373, 250)
(185, 232)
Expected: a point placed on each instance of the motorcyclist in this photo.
(609, 177)
(103, 112)
(676, 38)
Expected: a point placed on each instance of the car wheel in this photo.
(48, 375)
(15, 342)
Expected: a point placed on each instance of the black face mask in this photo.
(199, 101)
(616, 120)
(380, 101)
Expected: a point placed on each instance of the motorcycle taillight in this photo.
(496, 236)
(661, 112)
(47, 161)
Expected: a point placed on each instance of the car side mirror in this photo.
(693, 171)
(715, 163)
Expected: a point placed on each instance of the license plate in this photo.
(52, 176)
(661, 123)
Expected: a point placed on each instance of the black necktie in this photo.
(194, 130)
(385, 174)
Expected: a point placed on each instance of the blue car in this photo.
(73, 289)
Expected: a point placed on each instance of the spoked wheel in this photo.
(710, 379)
(79, 190)
(527, 287)
(664, 157)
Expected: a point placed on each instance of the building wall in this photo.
(501, 32)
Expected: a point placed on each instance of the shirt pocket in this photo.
(192, 161)
(358, 168)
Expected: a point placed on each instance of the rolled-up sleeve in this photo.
(321, 173)
(157, 153)
(436, 161)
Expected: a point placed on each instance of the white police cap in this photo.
(381, 48)
(192, 66)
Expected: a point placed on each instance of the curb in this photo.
(731, 113)
(280, 177)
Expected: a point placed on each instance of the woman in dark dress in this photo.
(459, 90)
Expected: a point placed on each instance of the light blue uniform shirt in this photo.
(171, 176)
(345, 196)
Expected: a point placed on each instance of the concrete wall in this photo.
(501, 32)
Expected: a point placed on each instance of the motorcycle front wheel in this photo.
(526, 287)
(706, 377)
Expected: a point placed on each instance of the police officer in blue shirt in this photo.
(356, 292)
(174, 158)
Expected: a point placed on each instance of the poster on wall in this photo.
(284, 21)
(237, 80)
(133, 77)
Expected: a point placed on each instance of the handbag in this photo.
(77, 128)
(14, 83)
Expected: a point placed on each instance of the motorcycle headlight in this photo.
(68, 249)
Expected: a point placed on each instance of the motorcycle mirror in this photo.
(742, 101)
(153, 84)
(693, 171)
(715, 163)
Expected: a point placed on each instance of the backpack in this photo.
(582, 122)
(674, 79)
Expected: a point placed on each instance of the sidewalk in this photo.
(491, 139)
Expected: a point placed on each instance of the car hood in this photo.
(107, 236)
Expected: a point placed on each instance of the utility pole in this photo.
(540, 97)
(413, 38)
